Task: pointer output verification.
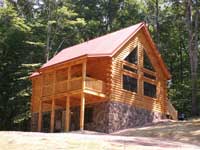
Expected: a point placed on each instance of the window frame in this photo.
(152, 79)
(132, 78)
(152, 97)
(129, 73)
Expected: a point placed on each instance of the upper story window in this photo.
(129, 69)
(130, 74)
(147, 62)
(149, 88)
(132, 57)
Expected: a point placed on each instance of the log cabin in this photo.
(106, 84)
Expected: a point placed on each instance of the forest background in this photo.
(33, 31)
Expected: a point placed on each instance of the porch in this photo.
(67, 114)
(72, 85)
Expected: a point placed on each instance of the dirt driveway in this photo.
(85, 141)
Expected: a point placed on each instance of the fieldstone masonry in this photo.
(123, 116)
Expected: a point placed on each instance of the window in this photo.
(149, 90)
(129, 83)
(147, 62)
(88, 115)
(132, 57)
(149, 76)
(125, 67)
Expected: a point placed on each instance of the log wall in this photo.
(118, 94)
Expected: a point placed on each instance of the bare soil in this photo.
(182, 131)
(160, 136)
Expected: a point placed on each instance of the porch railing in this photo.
(94, 84)
(171, 110)
(72, 85)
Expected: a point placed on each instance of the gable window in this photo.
(128, 68)
(132, 57)
(147, 75)
(89, 114)
(129, 83)
(149, 90)
(147, 62)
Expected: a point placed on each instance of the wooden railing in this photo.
(171, 110)
(94, 84)
(72, 85)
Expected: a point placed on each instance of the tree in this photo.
(192, 23)
(13, 98)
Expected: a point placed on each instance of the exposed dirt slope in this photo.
(182, 131)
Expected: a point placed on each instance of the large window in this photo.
(149, 90)
(129, 83)
(130, 74)
(147, 62)
(132, 57)
(130, 68)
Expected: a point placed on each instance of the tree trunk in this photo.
(47, 50)
(181, 59)
(157, 25)
(193, 48)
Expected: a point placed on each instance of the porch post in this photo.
(40, 116)
(82, 105)
(67, 115)
(82, 111)
(69, 78)
(52, 115)
(84, 74)
(53, 104)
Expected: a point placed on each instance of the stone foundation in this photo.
(123, 116)
(108, 117)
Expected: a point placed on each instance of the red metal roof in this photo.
(101, 46)
(105, 45)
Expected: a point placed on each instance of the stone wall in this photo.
(123, 116)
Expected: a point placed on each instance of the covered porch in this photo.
(74, 85)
